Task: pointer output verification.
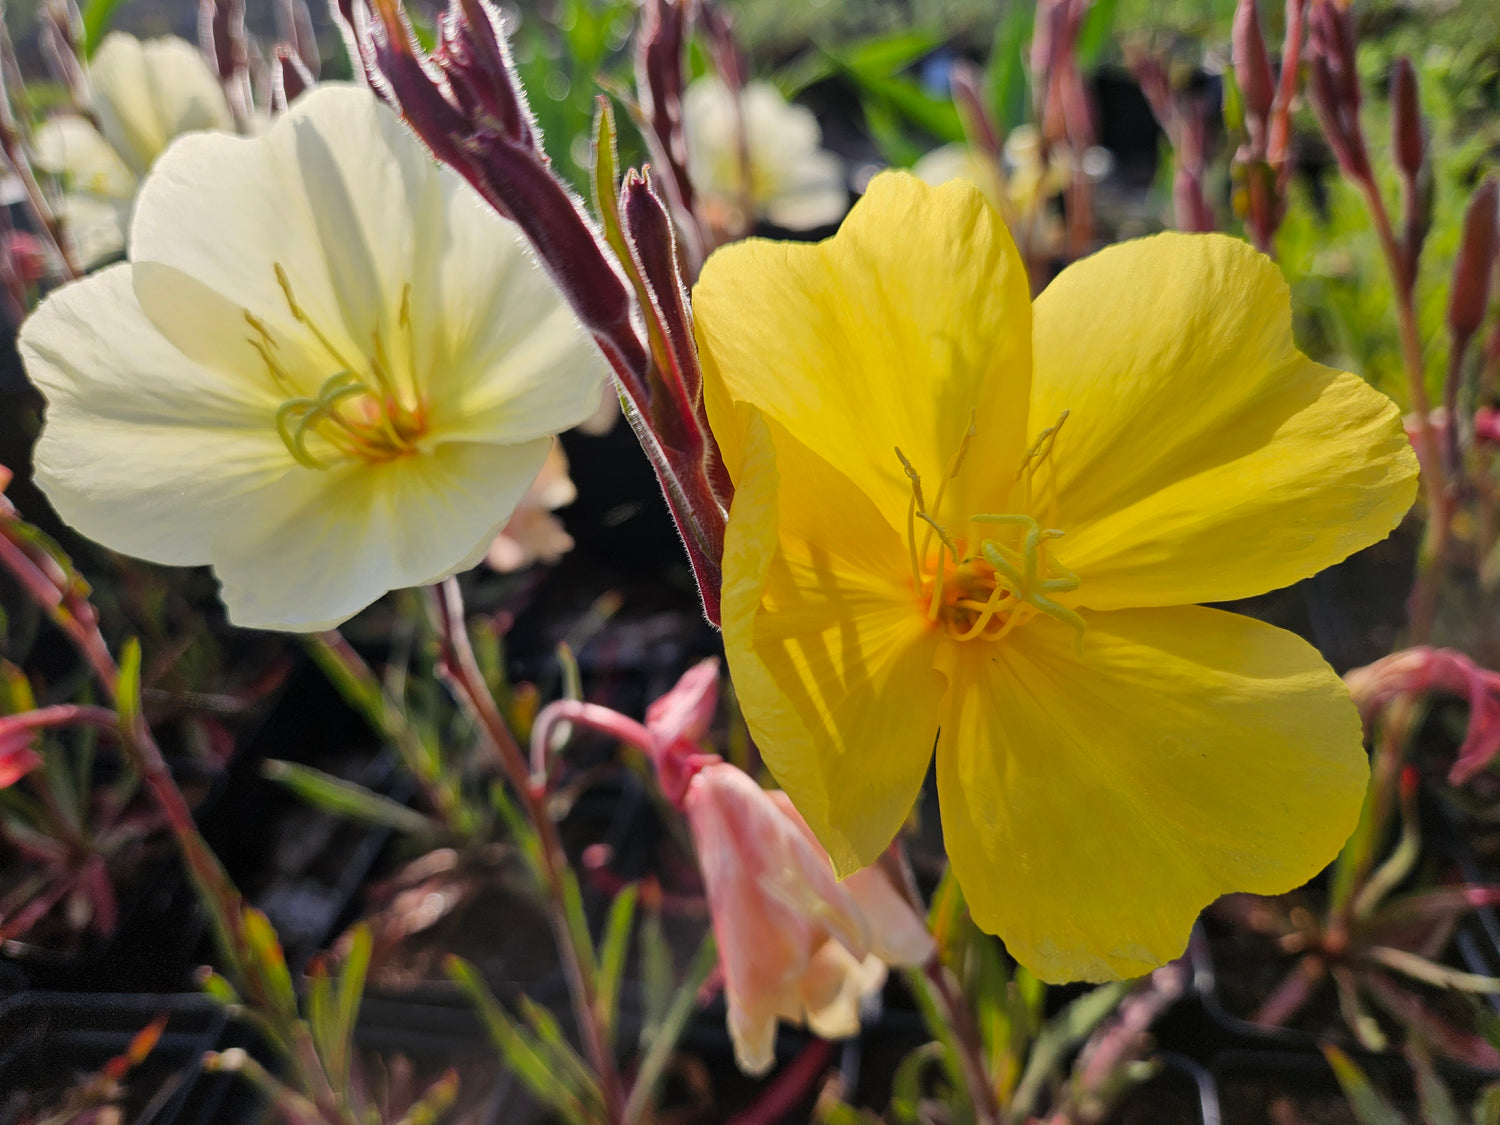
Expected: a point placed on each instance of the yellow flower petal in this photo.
(831, 659)
(912, 318)
(1093, 806)
(1204, 458)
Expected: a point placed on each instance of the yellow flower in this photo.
(1015, 585)
(328, 369)
(145, 95)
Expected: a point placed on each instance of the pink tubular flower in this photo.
(794, 943)
(1444, 671)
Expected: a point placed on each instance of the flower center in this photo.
(360, 412)
(981, 586)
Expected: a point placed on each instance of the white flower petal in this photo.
(327, 194)
(146, 93)
(505, 358)
(143, 450)
(325, 544)
(67, 145)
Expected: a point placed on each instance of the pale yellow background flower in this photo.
(329, 370)
(794, 182)
(145, 95)
(533, 533)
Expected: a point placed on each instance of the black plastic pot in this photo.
(48, 1040)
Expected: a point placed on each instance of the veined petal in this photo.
(1088, 840)
(143, 449)
(327, 543)
(914, 318)
(328, 194)
(146, 93)
(1204, 458)
(507, 360)
(830, 654)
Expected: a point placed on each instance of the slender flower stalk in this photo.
(1335, 90)
(461, 670)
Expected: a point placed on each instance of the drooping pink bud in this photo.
(794, 944)
(1436, 671)
(1487, 425)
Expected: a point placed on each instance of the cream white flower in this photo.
(145, 94)
(794, 182)
(328, 369)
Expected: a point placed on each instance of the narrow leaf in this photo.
(348, 799)
(612, 951)
(1364, 1100)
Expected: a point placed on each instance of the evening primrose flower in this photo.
(793, 181)
(145, 94)
(968, 522)
(328, 369)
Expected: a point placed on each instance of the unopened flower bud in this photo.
(1476, 261)
(1407, 136)
(1252, 67)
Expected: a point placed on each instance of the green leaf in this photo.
(656, 975)
(97, 16)
(128, 688)
(612, 949)
(1094, 33)
(908, 1081)
(521, 1052)
(1437, 1105)
(1364, 1100)
(664, 1041)
(268, 965)
(348, 799)
(351, 990)
(435, 1102)
(553, 1045)
(1006, 75)
(1060, 1035)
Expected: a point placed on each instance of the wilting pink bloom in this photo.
(795, 944)
(1442, 671)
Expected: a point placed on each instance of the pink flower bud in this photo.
(1487, 424)
(17, 758)
(794, 944)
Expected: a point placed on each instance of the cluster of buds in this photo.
(623, 276)
(291, 67)
(1184, 116)
(1424, 671)
(794, 944)
(1262, 166)
(1063, 106)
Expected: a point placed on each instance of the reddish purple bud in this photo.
(1476, 261)
(648, 233)
(221, 36)
(1252, 69)
(1334, 86)
(1408, 138)
(967, 83)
